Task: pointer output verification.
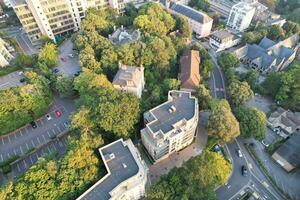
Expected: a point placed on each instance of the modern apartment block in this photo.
(200, 22)
(240, 16)
(126, 177)
(55, 18)
(5, 54)
(170, 126)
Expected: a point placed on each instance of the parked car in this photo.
(244, 171)
(77, 73)
(71, 55)
(239, 153)
(48, 117)
(57, 113)
(55, 70)
(33, 124)
(20, 73)
(66, 124)
(22, 80)
(264, 143)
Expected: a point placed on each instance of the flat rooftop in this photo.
(185, 108)
(121, 166)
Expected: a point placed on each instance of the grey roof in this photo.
(190, 12)
(258, 53)
(290, 150)
(119, 173)
(223, 34)
(265, 43)
(185, 108)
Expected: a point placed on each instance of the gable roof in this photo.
(290, 150)
(189, 70)
(129, 76)
(190, 13)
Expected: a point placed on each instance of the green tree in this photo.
(64, 85)
(252, 78)
(276, 33)
(24, 61)
(228, 60)
(291, 28)
(200, 5)
(48, 55)
(239, 92)
(183, 26)
(222, 124)
(171, 84)
(253, 123)
(204, 97)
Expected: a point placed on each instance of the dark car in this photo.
(244, 171)
(22, 80)
(55, 70)
(33, 124)
(77, 73)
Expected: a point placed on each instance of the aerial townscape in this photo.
(149, 99)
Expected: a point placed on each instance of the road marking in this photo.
(265, 184)
(38, 139)
(59, 129)
(25, 164)
(48, 134)
(2, 141)
(26, 130)
(27, 147)
(42, 123)
(32, 143)
(1, 157)
(8, 138)
(44, 138)
(18, 167)
(49, 150)
(15, 136)
(31, 159)
(15, 152)
(60, 144)
(8, 155)
(21, 149)
(53, 131)
(21, 133)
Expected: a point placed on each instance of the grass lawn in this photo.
(9, 69)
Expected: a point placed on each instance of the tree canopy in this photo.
(48, 55)
(253, 123)
(196, 179)
(222, 124)
(228, 60)
(239, 92)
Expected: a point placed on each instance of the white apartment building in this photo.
(5, 54)
(55, 18)
(127, 174)
(240, 16)
(130, 79)
(223, 39)
(170, 126)
(200, 22)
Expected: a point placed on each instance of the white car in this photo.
(238, 151)
(264, 143)
(48, 117)
(71, 55)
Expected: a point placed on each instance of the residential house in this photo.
(268, 55)
(240, 16)
(130, 79)
(5, 53)
(288, 154)
(170, 126)
(126, 174)
(286, 120)
(122, 36)
(223, 39)
(200, 22)
(189, 71)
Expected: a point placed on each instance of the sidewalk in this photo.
(178, 158)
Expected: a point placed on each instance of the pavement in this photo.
(22, 39)
(68, 65)
(178, 158)
(11, 80)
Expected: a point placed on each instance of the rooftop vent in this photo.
(172, 109)
(109, 157)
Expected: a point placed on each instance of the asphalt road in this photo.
(237, 183)
(10, 80)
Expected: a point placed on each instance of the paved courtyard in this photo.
(178, 158)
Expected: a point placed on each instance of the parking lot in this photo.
(27, 138)
(58, 145)
(11, 80)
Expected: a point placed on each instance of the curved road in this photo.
(256, 180)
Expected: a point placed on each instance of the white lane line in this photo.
(59, 129)
(31, 159)
(8, 155)
(27, 147)
(18, 167)
(26, 130)
(38, 139)
(8, 138)
(2, 141)
(25, 164)
(1, 157)
(48, 134)
(21, 149)
(15, 152)
(53, 131)
(60, 144)
(49, 150)
(33, 145)
(15, 136)
(44, 138)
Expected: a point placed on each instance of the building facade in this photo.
(268, 55)
(5, 54)
(240, 16)
(200, 23)
(223, 39)
(54, 18)
(130, 79)
(170, 126)
(127, 174)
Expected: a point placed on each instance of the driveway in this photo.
(68, 65)
(27, 138)
(10, 80)
(178, 158)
